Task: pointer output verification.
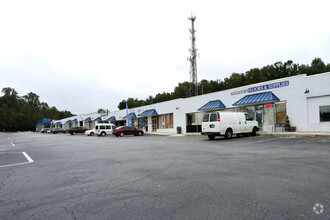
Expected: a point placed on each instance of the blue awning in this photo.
(112, 118)
(44, 121)
(74, 120)
(263, 97)
(69, 121)
(131, 115)
(215, 104)
(88, 119)
(98, 119)
(149, 112)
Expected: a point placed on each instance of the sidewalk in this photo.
(298, 133)
(261, 133)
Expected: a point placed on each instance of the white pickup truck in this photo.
(228, 123)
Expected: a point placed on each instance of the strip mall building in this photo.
(304, 99)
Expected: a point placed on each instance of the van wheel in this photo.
(140, 133)
(103, 134)
(73, 133)
(229, 134)
(211, 137)
(121, 134)
(254, 131)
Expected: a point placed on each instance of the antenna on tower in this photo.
(192, 58)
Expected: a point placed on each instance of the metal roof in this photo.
(98, 119)
(131, 115)
(112, 118)
(212, 105)
(257, 98)
(149, 112)
(88, 119)
(44, 121)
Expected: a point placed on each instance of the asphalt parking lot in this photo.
(163, 177)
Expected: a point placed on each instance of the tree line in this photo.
(255, 75)
(20, 113)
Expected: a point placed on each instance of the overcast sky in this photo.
(85, 55)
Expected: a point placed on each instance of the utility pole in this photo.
(192, 58)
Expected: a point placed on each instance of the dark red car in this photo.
(75, 130)
(127, 130)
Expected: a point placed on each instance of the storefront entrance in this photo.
(270, 116)
(259, 119)
(194, 122)
(154, 123)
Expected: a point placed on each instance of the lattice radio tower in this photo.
(192, 58)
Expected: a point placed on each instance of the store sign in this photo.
(268, 105)
(262, 88)
(104, 113)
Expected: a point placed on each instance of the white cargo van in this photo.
(228, 123)
(104, 129)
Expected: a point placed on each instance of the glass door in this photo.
(154, 123)
(259, 118)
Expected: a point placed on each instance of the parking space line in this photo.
(12, 144)
(271, 139)
(28, 157)
(15, 164)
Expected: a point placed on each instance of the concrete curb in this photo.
(307, 134)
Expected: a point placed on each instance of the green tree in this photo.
(317, 66)
(162, 97)
(253, 76)
(183, 90)
(21, 113)
(122, 105)
(235, 80)
(33, 99)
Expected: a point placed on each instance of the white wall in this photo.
(302, 108)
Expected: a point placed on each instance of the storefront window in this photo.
(280, 109)
(194, 121)
(165, 121)
(194, 118)
(251, 111)
(325, 113)
(268, 117)
(241, 109)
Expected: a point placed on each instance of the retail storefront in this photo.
(300, 102)
(148, 118)
(266, 108)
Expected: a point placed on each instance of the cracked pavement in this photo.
(164, 177)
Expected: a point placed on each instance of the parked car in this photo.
(75, 130)
(44, 130)
(228, 123)
(57, 130)
(104, 129)
(90, 132)
(127, 130)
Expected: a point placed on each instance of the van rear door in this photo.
(211, 123)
